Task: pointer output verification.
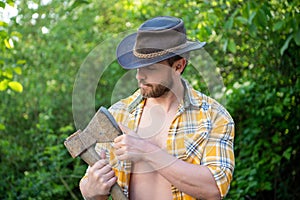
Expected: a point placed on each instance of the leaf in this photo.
(15, 34)
(2, 127)
(11, 3)
(276, 139)
(18, 70)
(225, 45)
(9, 43)
(285, 45)
(287, 153)
(8, 73)
(232, 46)
(261, 17)
(229, 23)
(253, 30)
(16, 86)
(278, 25)
(4, 24)
(21, 62)
(2, 5)
(251, 17)
(241, 19)
(3, 85)
(297, 37)
(267, 186)
(77, 3)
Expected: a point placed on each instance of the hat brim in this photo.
(128, 60)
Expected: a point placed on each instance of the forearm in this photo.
(195, 180)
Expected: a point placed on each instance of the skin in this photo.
(100, 179)
(146, 148)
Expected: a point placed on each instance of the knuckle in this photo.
(125, 139)
(126, 148)
(101, 180)
(107, 185)
(95, 176)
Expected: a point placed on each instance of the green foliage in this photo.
(255, 46)
(265, 99)
(10, 67)
(266, 139)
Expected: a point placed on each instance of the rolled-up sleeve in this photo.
(218, 155)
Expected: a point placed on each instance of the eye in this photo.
(152, 67)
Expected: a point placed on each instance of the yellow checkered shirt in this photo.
(202, 133)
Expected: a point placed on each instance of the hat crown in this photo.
(160, 33)
(160, 23)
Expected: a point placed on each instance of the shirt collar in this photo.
(137, 99)
(191, 99)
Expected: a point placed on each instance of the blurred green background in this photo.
(43, 43)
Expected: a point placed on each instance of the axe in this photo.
(101, 128)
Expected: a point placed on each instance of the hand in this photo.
(130, 146)
(100, 179)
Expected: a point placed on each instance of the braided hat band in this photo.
(156, 54)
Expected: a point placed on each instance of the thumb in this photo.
(124, 128)
(103, 154)
(127, 130)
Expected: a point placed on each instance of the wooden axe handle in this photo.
(117, 193)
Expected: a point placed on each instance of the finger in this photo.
(128, 131)
(109, 175)
(112, 181)
(104, 177)
(99, 165)
(103, 174)
(122, 157)
(103, 154)
(125, 156)
(118, 139)
(119, 151)
(106, 169)
(124, 128)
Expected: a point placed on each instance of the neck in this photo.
(170, 100)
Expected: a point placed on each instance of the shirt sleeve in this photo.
(218, 155)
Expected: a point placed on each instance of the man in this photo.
(177, 142)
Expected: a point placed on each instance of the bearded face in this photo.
(155, 90)
(155, 80)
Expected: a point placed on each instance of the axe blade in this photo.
(103, 127)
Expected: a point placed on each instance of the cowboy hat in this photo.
(157, 39)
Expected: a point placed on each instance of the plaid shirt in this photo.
(202, 133)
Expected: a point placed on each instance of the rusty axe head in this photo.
(101, 128)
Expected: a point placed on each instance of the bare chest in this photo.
(146, 183)
(154, 126)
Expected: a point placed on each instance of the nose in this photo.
(140, 74)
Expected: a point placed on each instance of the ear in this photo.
(179, 65)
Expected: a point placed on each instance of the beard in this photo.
(156, 90)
